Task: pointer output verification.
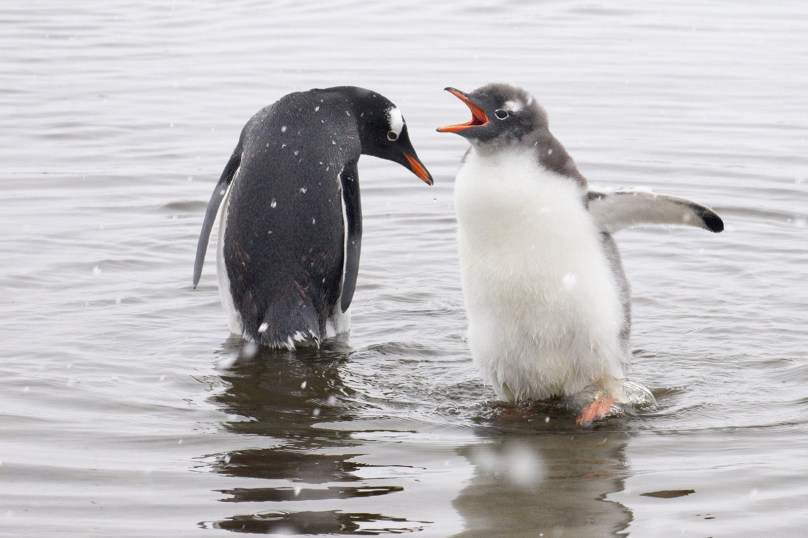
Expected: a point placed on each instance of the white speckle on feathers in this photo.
(274, 204)
(263, 328)
(568, 281)
(317, 108)
(283, 129)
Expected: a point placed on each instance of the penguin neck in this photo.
(504, 145)
(496, 153)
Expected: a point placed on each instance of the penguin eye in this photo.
(392, 136)
(502, 114)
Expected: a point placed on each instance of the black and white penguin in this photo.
(291, 222)
(548, 303)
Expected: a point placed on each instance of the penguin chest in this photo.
(543, 306)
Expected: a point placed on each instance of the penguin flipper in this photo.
(616, 210)
(213, 208)
(353, 242)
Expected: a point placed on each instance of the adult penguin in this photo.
(291, 222)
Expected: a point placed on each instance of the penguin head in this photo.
(501, 115)
(383, 132)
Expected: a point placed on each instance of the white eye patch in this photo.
(513, 106)
(395, 119)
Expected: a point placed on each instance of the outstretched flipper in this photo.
(213, 208)
(615, 210)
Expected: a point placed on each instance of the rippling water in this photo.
(123, 411)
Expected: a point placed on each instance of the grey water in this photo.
(124, 410)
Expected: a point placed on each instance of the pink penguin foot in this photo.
(595, 411)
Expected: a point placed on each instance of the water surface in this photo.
(124, 412)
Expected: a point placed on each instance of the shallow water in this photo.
(123, 411)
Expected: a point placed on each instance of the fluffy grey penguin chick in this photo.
(547, 299)
(291, 220)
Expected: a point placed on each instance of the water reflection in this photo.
(532, 471)
(282, 395)
(548, 479)
(328, 522)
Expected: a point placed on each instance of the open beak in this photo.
(419, 170)
(478, 117)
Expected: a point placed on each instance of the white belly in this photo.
(234, 322)
(543, 307)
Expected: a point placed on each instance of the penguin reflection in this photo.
(282, 394)
(545, 481)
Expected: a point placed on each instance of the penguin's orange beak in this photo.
(419, 170)
(478, 117)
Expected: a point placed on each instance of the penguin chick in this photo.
(548, 303)
(291, 223)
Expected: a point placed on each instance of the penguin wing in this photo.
(213, 208)
(353, 233)
(615, 210)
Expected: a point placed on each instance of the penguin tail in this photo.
(289, 327)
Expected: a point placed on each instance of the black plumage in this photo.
(295, 189)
